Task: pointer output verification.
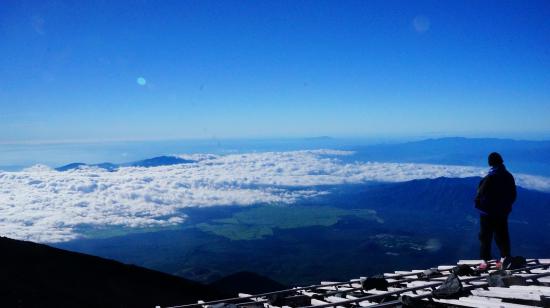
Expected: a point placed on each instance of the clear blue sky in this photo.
(96, 70)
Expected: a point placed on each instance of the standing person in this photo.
(495, 195)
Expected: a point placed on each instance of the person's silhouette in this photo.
(495, 195)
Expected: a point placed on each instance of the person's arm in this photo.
(481, 198)
(514, 191)
(478, 193)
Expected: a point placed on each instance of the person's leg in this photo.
(485, 237)
(502, 236)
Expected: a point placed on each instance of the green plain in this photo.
(259, 222)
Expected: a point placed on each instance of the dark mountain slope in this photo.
(246, 282)
(450, 198)
(35, 275)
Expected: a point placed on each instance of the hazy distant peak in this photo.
(37, 168)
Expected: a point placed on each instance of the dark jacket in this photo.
(496, 192)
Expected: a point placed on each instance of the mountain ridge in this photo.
(37, 275)
(165, 160)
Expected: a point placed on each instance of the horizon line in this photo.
(543, 136)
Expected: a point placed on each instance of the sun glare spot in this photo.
(141, 81)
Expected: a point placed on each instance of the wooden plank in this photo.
(334, 299)
(409, 273)
(363, 303)
(331, 282)
(540, 271)
(418, 283)
(476, 302)
(481, 302)
(402, 274)
(366, 304)
(374, 291)
(445, 267)
(477, 282)
(334, 288)
(310, 294)
(469, 262)
(532, 288)
(316, 302)
(418, 292)
(459, 303)
(510, 293)
(392, 289)
(478, 298)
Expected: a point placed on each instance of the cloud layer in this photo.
(45, 205)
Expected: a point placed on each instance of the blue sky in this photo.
(116, 70)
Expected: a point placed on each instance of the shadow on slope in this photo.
(35, 275)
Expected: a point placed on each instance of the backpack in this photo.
(450, 289)
(283, 299)
(376, 282)
(512, 263)
(504, 279)
(464, 270)
(430, 273)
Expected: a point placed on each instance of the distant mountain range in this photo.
(519, 155)
(151, 162)
(36, 275)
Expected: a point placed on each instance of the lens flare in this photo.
(141, 81)
(421, 24)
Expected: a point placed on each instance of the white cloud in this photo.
(45, 205)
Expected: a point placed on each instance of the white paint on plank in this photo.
(532, 288)
(475, 302)
(316, 302)
(408, 273)
(334, 299)
(418, 283)
(510, 293)
(330, 282)
(445, 267)
(310, 294)
(469, 262)
(333, 288)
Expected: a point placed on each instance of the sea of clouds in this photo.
(44, 205)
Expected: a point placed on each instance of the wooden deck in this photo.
(402, 284)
